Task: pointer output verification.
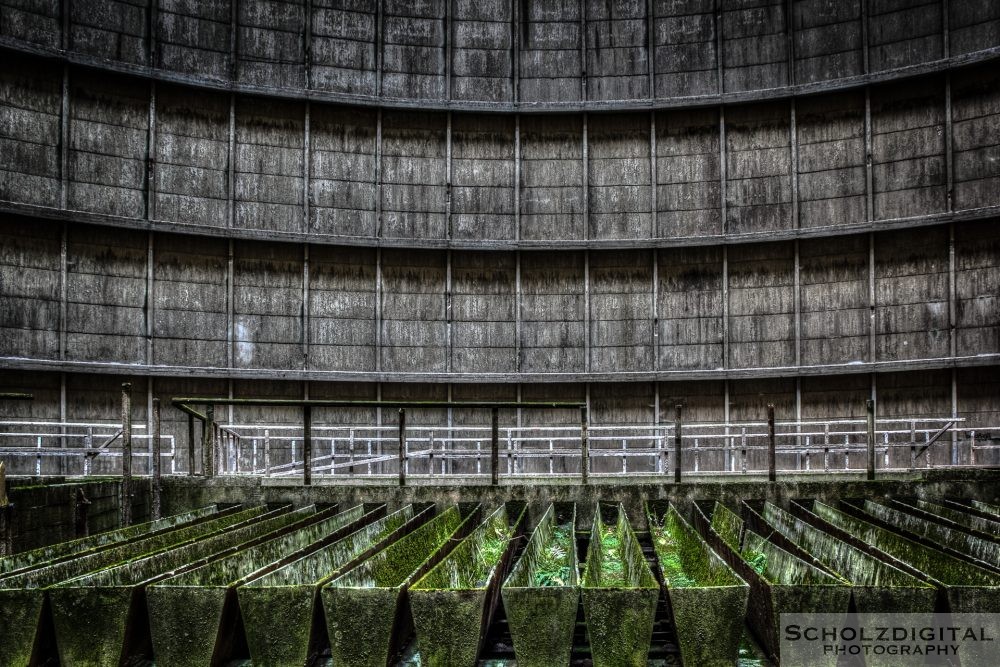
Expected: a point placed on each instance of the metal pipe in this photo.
(307, 445)
(494, 446)
(402, 446)
(677, 443)
(772, 473)
(157, 488)
(126, 488)
(870, 408)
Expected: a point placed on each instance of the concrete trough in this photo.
(194, 615)
(100, 618)
(876, 586)
(780, 582)
(367, 610)
(619, 592)
(542, 594)
(955, 522)
(965, 588)
(454, 602)
(700, 585)
(950, 540)
(291, 592)
(24, 615)
(988, 508)
(963, 517)
(53, 553)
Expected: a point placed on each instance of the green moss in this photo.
(961, 518)
(728, 525)
(472, 564)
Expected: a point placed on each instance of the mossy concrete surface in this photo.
(208, 592)
(366, 609)
(954, 539)
(290, 592)
(619, 615)
(983, 525)
(876, 585)
(968, 588)
(99, 618)
(701, 586)
(22, 596)
(75, 548)
(453, 603)
(989, 508)
(542, 618)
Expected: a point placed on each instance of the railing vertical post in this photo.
(772, 473)
(190, 444)
(81, 509)
(126, 495)
(156, 509)
(307, 445)
(88, 444)
(494, 447)
(584, 447)
(6, 516)
(402, 446)
(870, 408)
(208, 442)
(267, 452)
(677, 443)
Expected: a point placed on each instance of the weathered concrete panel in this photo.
(109, 121)
(106, 295)
(413, 49)
(267, 305)
(976, 145)
(617, 50)
(342, 305)
(977, 392)
(758, 160)
(270, 137)
(685, 48)
(110, 29)
(688, 199)
(553, 308)
(189, 301)
(625, 404)
(29, 288)
(833, 288)
(621, 311)
(343, 46)
(482, 55)
(831, 165)
(755, 44)
(35, 21)
(414, 175)
(482, 177)
(551, 177)
(194, 37)
(483, 295)
(908, 144)
(551, 39)
(911, 295)
(762, 309)
(689, 309)
(904, 32)
(977, 288)
(414, 325)
(618, 166)
(973, 25)
(270, 43)
(192, 155)
(342, 187)
(29, 132)
(827, 39)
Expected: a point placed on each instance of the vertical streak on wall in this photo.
(449, 41)
(64, 141)
(945, 29)
(306, 168)
(651, 69)
(306, 194)
(63, 290)
(586, 312)
(234, 27)
(231, 167)
(722, 206)
(307, 55)
(378, 229)
(790, 30)
(448, 313)
(517, 176)
(305, 305)
(64, 33)
(652, 219)
(583, 79)
(515, 55)
(378, 310)
(379, 66)
(719, 74)
(517, 312)
(865, 39)
(586, 235)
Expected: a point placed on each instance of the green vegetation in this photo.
(553, 566)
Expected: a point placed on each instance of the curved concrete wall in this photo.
(432, 200)
(506, 53)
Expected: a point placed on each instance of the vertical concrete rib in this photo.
(150, 297)
(307, 44)
(583, 56)
(449, 333)
(151, 155)
(64, 140)
(307, 168)
(517, 176)
(865, 39)
(719, 64)
(869, 186)
(517, 311)
(63, 289)
(515, 51)
(651, 47)
(449, 40)
(230, 323)
(231, 167)
(305, 305)
(379, 50)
